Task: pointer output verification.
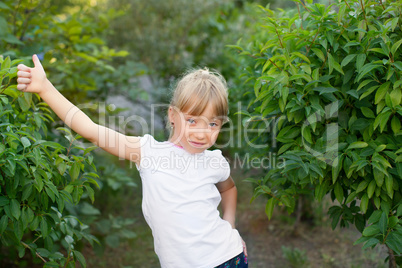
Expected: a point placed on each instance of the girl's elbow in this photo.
(91, 133)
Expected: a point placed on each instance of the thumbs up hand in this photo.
(31, 79)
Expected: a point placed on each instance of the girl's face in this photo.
(195, 133)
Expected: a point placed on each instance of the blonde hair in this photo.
(198, 88)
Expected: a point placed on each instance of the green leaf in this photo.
(316, 168)
(395, 47)
(27, 191)
(333, 64)
(25, 142)
(325, 90)
(4, 201)
(371, 230)
(347, 59)
(380, 148)
(357, 145)
(18, 230)
(286, 201)
(378, 50)
(371, 188)
(368, 92)
(394, 242)
(377, 201)
(307, 134)
(381, 92)
(3, 223)
(350, 198)
(383, 223)
(364, 83)
(34, 224)
(336, 168)
(75, 170)
(78, 256)
(382, 119)
(50, 194)
(321, 190)
(306, 77)
(367, 112)
(352, 43)
(366, 69)
(299, 55)
(15, 208)
(362, 239)
(12, 39)
(38, 182)
(335, 213)
(371, 242)
(62, 167)
(375, 217)
(396, 97)
(87, 57)
(319, 54)
(269, 208)
(4, 6)
(389, 183)
(398, 65)
(6, 63)
(395, 124)
(284, 148)
(361, 58)
(51, 264)
(399, 210)
(393, 221)
(338, 192)
(364, 203)
(45, 229)
(23, 103)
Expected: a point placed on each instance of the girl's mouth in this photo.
(196, 144)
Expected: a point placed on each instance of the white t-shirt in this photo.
(180, 203)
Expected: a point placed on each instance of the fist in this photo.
(31, 79)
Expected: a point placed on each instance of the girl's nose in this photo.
(202, 131)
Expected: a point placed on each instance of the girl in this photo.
(183, 182)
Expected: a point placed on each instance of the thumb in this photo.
(36, 62)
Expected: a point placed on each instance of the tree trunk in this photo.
(392, 261)
(299, 212)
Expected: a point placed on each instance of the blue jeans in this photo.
(240, 261)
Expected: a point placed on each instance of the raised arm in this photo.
(34, 80)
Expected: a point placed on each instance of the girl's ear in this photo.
(171, 114)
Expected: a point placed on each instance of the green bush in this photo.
(37, 178)
(328, 79)
(70, 41)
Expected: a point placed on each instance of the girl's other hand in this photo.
(244, 248)
(31, 79)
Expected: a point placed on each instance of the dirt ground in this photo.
(312, 244)
(318, 246)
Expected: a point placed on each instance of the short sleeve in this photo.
(225, 169)
(218, 161)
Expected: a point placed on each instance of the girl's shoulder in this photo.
(216, 155)
(150, 145)
(148, 138)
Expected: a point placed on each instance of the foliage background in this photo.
(94, 49)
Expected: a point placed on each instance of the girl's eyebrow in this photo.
(198, 116)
